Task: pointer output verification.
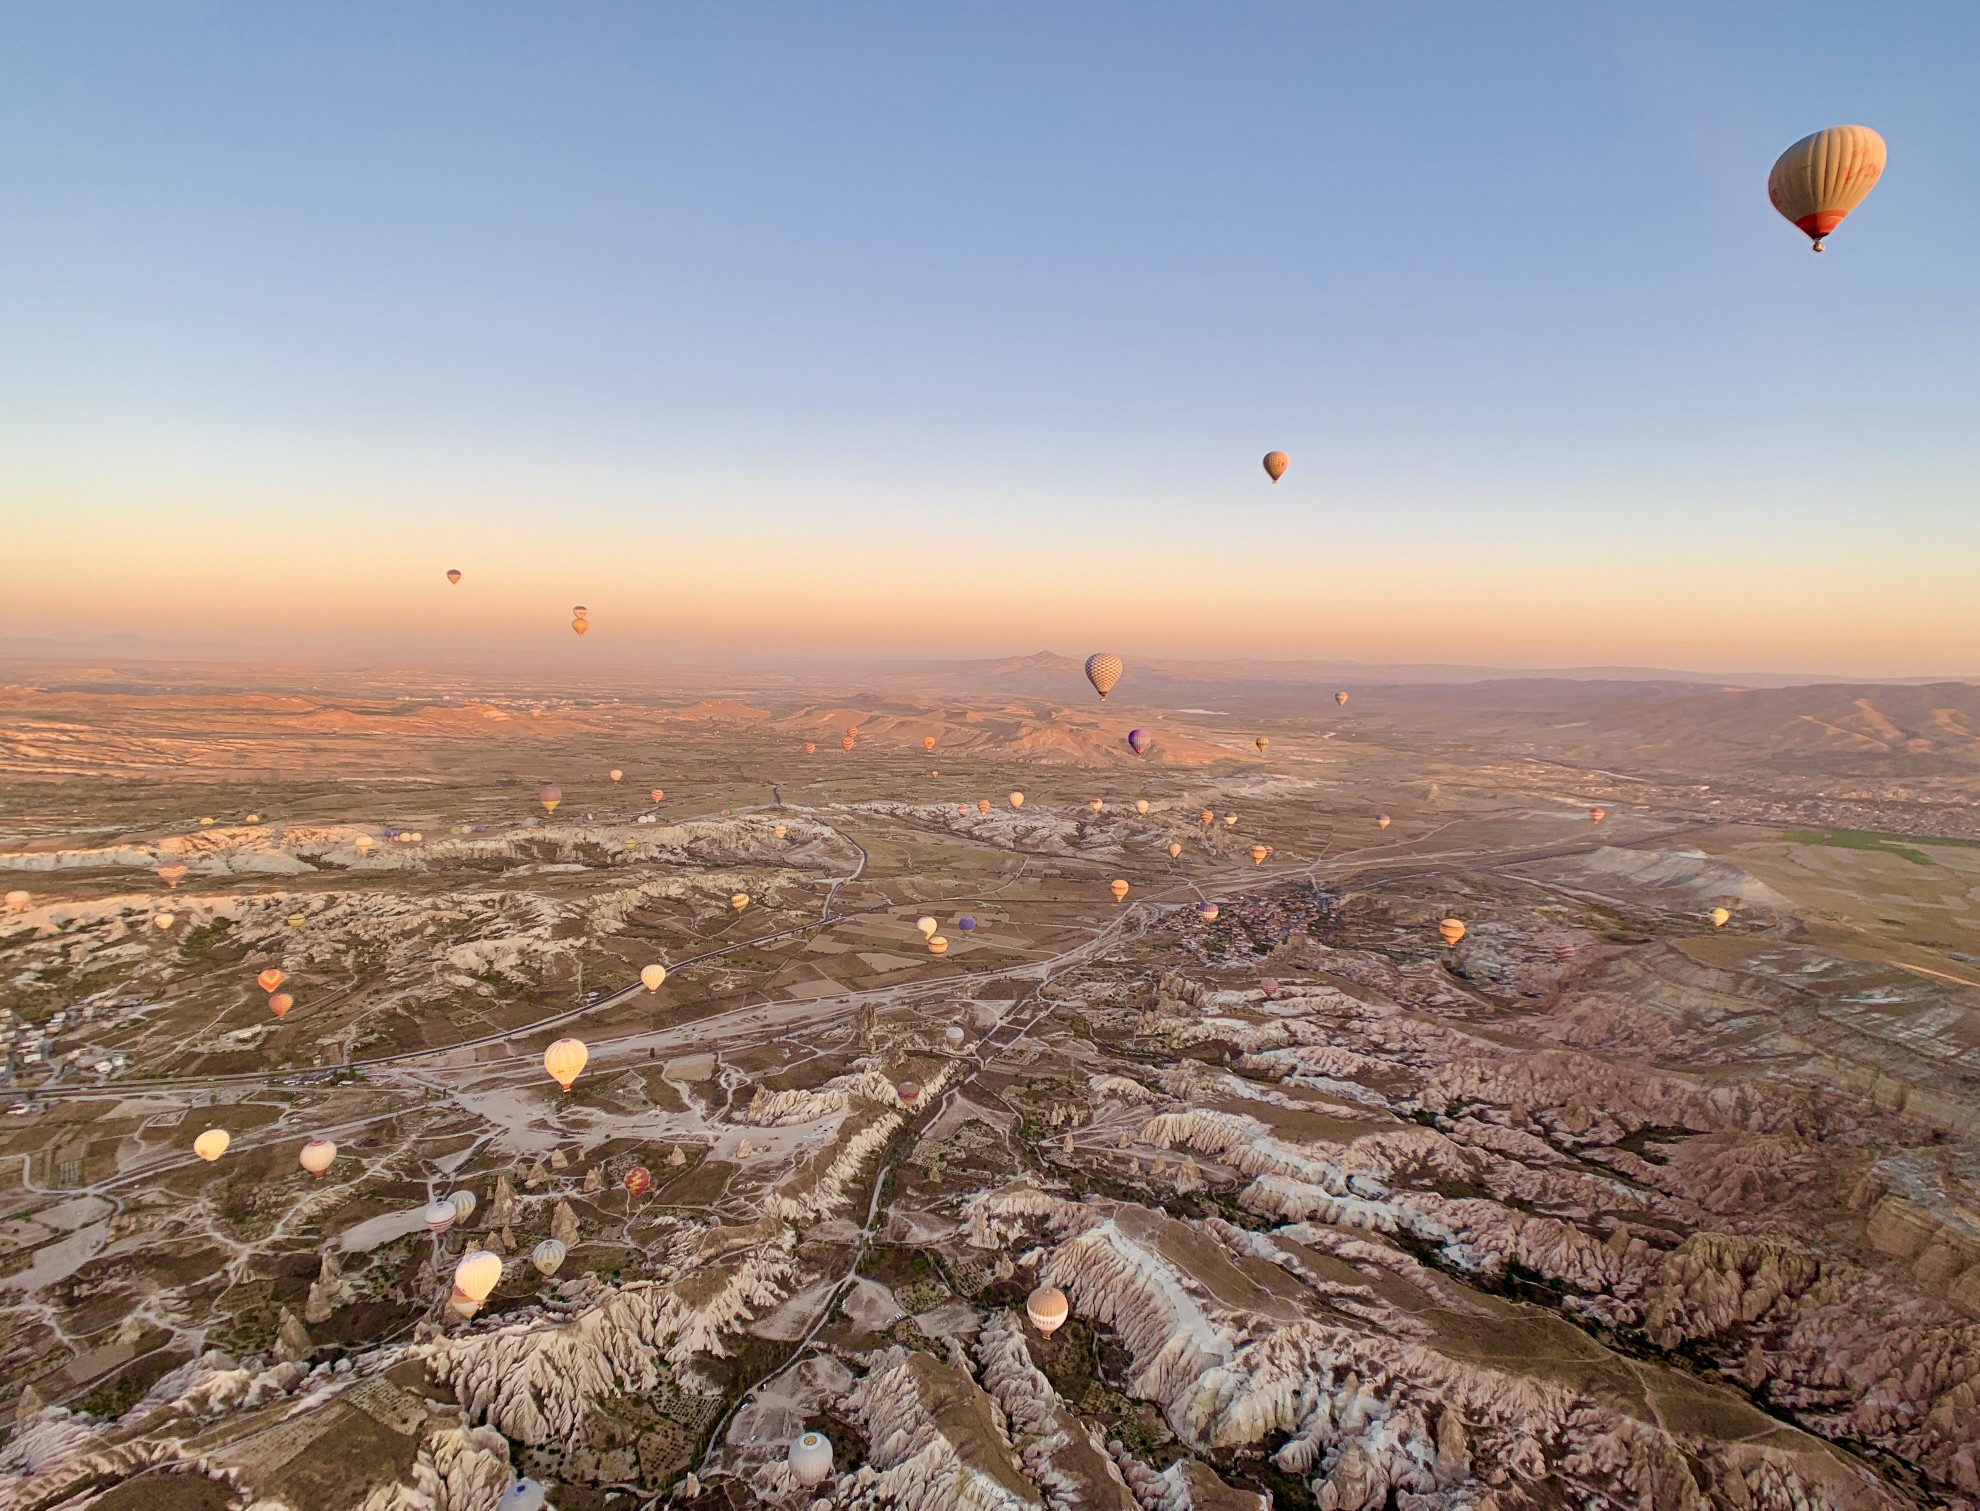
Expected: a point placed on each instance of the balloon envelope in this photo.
(938, 945)
(909, 1092)
(638, 1179)
(581, 626)
(1720, 918)
(172, 872)
(652, 976)
(1139, 740)
(1340, 697)
(549, 797)
(1141, 805)
(477, 1275)
(966, 923)
(1175, 850)
(454, 575)
(810, 1458)
(280, 1003)
(1258, 854)
(439, 1216)
(317, 1156)
(983, 805)
(211, 1144)
(1381, 821)
(1822, 177)
(739, 901)
(548, 1256)
(1596, 815)
(927, 927)
(1276, 463)
(1017, 799)
(1048, 1309)
(1103, 670)
(565, 1061)
(1262, 743)
(1119, 888)
(464, 1204)
(928, 742)
(1207, 911)
(523, 1495)
(269, 979)
(1452, 930)
(616, 774)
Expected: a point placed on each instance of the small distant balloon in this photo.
(652, 977)
(581, 626)
(938, 945)
(616, 774)
(966, 923)
(739, 900)
(1262, 743)
(780, 831)
(296, 920)
(810, 749)
(1276, 463)
(17, 901)
(439, 1217)
(211, 1144)
(1017, 799)
(280, 1003)
(269, 979)
(909, 1092)
(1381, 821)
(1720, 918)
(1258, 854)
(1340, 698)
(1268, 985)
(550, 797)
(454, 576)
(1230, 821)
(172, 872)
(1096, 805)
(928, 742)
(464, 1204)
(1175, 850)
(1141, 806)
(983, 804)
(1103, 670)
(548, 1256)
(1596, 815)
(1139, 740)
(1208, 816)
(847, 743)
(164, 921)
(1452, 929)
(637, 1180)
(1207, 911)
(1119, 888)
(953, 1034)
(658, 794)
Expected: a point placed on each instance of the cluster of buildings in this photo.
(31, 1048)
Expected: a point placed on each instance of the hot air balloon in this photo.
(966, 923)
(164, 921)
(365, 844)
(1119, 888)
(739, 900)
(928, 742)
(638, 1181)
(651, 976)
(1341, 698)
(1175, 850)
(211, 1144)
(983, 805)
(1269, 985)
(953, 1034)
(565, 1061)
(581, 626)
(17, 901)
(1103, 670)
(1139, 740)
(938, 945)
(454, 576)
(318, 1155)
(206, 823)
(280, 1003)
(1821, 178)
(524, 1495)
(1596, 815)
(1276, 463)
(1048, 1309)
(1141, 806)
(269, 979)
(810, 1458)
(1720, 918)
(550, 797)
(548, 1256)
(172, 873)
(1258, 854)
(1230, 821)
(1207, 911)
(1381, 821)
(1017, 799)
(927, 927)
(1208, 817)
(439, 1216)
(615, 773)
(464, 1204)
(474, 1278)
(810, 749)
(1096, 805)
(847, 743)
(1452, 929)
(909, 1092)
(1262, 743)
(658, 794)
(295, 920)
(779, 832)
(578, 611)
(252, 818)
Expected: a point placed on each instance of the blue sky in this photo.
(980, 319)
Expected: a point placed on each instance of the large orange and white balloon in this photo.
(1048, 1309)
(318, 1155)
(1119, 888)
(1103, 670)
(1821, 178)
(565, 1061)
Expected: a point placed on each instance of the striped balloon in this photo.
(1821, 178)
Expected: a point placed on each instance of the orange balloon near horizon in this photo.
(1340, 697)
(811, 749)
(1017, 799)
(1174, 851)
(269, 979)
(1596, 815)
(658, 794)
(1452, 929)
(615, 773)
(1258, 854)
(1119, 888)
(280, 1003)
(454, 576)
(983, 805)
(581, 625)
(1276, 463)
(928, 742)
(1208, 816)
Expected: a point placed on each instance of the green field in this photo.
(1865, 839)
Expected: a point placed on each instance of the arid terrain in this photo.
(1610, 1203)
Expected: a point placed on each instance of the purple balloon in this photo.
(1139, 740)
(965, 923)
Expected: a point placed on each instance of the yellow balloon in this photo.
(1141, 806)
(211, 1144)
(927, 927)
(1821, 178)
(1720, 918)
(739, 901)
(938, 946)
(565, 1061)
(1119, 889)
(651, 977)
(1017, 799)
(475, 1277)
(1174, 850)
(1258, 854)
